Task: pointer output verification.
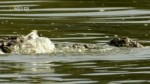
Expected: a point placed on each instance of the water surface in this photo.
(77, 21)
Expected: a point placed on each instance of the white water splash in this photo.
(33, 44)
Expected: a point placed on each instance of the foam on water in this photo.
(34, 44)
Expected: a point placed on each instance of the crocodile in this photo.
(124, 42)
(7, 43)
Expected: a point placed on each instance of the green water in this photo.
(77, 21)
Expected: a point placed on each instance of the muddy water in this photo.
(77, 21)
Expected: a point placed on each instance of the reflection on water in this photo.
(72, 21)
(60, 69)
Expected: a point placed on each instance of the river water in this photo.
(77, 21)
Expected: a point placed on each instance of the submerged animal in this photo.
(31, 43)
(124, 42)
(7, 43)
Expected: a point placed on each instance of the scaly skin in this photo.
(124, 42)
(7, 43)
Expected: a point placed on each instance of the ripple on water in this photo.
(107, 65)
(130, 81)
